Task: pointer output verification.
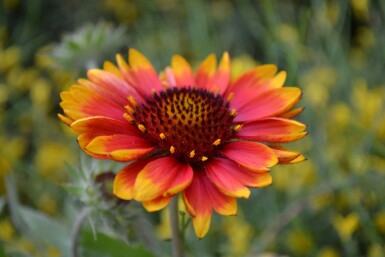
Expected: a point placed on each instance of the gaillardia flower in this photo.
(198, 134)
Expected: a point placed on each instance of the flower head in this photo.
(183, 132)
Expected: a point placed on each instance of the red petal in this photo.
(162, 177)
(251, 84)
(272, 130)
(81, 102)
(201, 197)
(270, 103)
(221, 78)
(110, 86)
(232, 178)
(252, 155)
(206, 71)
(143, 73)
(120, 147)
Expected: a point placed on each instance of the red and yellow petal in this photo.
(206, 71)
(81, 102)
(252, 83)
(252, 155)
(201, 197)
(292, 113)
(99, 125)
(232, 179)
(286, 156)
(183, 73)
(110, 86)
(143, 73)
(221, 78)
(124, 181)
(120, 147)
(157, 203)
(277, 130)
(270, 103)
(223, 173)
(162, 177)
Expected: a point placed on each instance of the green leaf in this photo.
(41, 227)
(105, 246)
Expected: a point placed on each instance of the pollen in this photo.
(142, 128)
(192, 118)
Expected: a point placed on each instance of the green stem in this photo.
(176, 239)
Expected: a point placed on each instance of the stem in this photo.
(176, 240)
(76, 229)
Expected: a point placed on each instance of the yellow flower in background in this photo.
(345, 226)
(125, 10)
(300, 242)
(41, 94)
(328, 252)
(48, 204)
(9, 57)
(360, 8)
(7, 231)
(287, 33)
(379, 221)
(239, 233)
(51, 157)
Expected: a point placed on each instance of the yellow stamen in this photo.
(132, 100)
(127, 117)
(237, 127)
(129, 109)
(153, 91)
(217, 142)
(233, 112)
(162, 136)
(142, 128)
(230, 97)
(172, 149)
(192, 154)
(204, 158)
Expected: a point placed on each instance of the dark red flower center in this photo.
(188, 123)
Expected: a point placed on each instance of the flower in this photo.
(196, 134)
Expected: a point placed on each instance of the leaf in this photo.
(105, 246)
(41, 227)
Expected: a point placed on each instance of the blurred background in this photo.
(54, 200)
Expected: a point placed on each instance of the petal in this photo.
(124, 181)
(221, 78)
(120, 147)
(156, 204)
(110, 86)
(286, 156)
(201, 197)
(292, 113)
(269, 103)
(162, 177)
(223, 173)
(251, 84)
(143, 73)
(232, 178)
(183, 73)
(99, 125)
(110, 67)
(206, 71)
(251, 155)
(272, 130)
(80, 102)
